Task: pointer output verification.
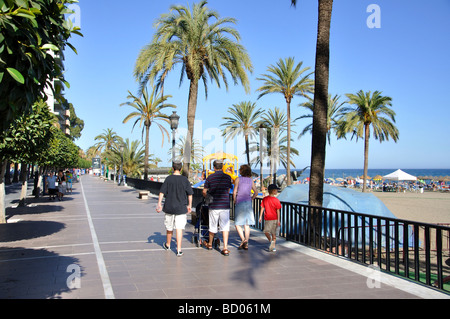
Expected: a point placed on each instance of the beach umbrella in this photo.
(378, 178)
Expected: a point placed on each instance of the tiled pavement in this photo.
(104, 242)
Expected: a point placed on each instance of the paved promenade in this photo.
(103, 242)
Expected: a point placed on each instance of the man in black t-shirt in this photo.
(178, 193)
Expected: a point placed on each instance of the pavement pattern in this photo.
(103, 242)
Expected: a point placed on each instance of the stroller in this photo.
(201, 224)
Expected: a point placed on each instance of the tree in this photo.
(319, 133)
(275, 124)
(289, 79)
(204, 45)
(133, 158)
(107, 140)
(367, 110)
(196, 150)
(244, 120)
(148, 111)
(24, 142)
(61, 152)
(30, 32)
(76, 124)
(334, 111)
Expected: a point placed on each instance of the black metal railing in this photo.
(413, 250)
(409, 249)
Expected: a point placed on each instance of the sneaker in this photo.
(272, 246)
(179, 253)
(165, 246)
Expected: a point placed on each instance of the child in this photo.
(270, 207)
(178, 192)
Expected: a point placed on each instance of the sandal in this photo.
(242, 245)
(245, 245)
(208, 245)
(225, 252)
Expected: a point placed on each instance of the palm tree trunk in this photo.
(319, 134)
(366, 154)
(275, 153)
(247, 149)
(288, 160)
(147, 141)
(192, 106)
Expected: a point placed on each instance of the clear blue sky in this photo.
(406, 58)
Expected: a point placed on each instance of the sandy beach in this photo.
(428, 207)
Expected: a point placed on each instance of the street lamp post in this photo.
(121, 166)
(174, 120)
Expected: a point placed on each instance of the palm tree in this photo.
(133, 157)
(244, 120)
(275, 122)
(203, 44)
(367, 110)
(334, 107)
(107, 140)
(319, 133)
(196, 150)
(148, 111)
(288, 79)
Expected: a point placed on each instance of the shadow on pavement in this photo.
(37, 274)
(28, 230)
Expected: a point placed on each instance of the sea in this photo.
(371, 172)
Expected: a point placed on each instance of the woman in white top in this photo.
(51, 186)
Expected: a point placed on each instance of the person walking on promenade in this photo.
(270, 208)
(218, 185)
(61, 179)
(178, 193)
(242, 197)
(51, 186)
(69, 178)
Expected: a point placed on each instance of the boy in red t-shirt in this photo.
(270, 207)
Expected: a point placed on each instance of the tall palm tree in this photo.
(107, 140)
(244, 120)
(275, 122)
(148, 111)
(289, 79)
(368, 110)
(204, 45)
(334, 111)
(319, 135)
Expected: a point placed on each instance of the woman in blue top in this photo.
(242, 196)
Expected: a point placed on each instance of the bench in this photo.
(143, 194)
